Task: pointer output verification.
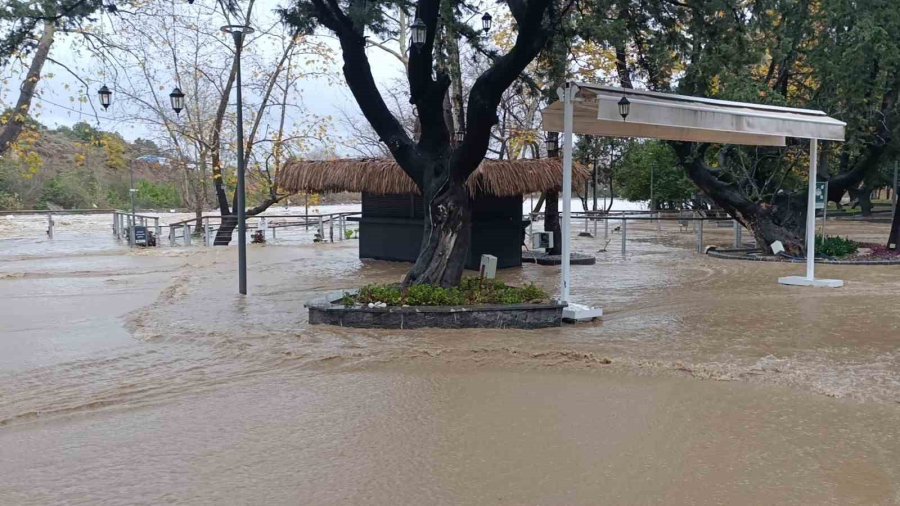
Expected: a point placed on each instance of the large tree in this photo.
(438, 167)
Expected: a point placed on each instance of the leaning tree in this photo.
(437, 164)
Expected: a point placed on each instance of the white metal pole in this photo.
(568, 93)
(811, 211)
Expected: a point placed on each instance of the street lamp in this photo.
(486, 22)
(105, 96)
(459, 136)
(238, 32)
(624, 107)
(552, 145)
(419, 31)
(177, 99)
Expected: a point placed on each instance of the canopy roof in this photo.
(382, 176)
(683, 118)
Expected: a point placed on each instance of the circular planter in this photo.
(755, 255)
(330, 311)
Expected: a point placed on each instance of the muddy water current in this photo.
(143, 378)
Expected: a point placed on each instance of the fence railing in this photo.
(325, 225)
(685, 219)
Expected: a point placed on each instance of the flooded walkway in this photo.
(144, 377)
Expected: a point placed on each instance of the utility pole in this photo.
(238, 32)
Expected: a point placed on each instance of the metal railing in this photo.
(210, 224)
(122, 226)
(685, 219)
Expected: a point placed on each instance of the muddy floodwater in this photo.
(142, 377)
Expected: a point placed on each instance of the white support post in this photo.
(568, 98)
(810, 279)
(157, 230)
(811, 211)
(738, 234)
(624, 233)
(50, 225)
(186, 234)
(573, 312)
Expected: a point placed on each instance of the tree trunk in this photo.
(784, 220)
(447, 236)
(865, 200)
(198, 220)
(551, 221)
(14, 124)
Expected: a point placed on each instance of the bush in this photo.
(470, 291)
(835, 246)
(9, 201)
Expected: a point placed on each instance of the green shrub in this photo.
(835, 246)
(9, 201)
(470, 291)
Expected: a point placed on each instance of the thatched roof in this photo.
(382, 176)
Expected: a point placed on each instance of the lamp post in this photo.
(105, 97)
(177, 99)
(486, 22)
(418, 33)
(552, 145)
(624, 107)
(238, 32)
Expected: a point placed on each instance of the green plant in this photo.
(835, 246)
(471, 291)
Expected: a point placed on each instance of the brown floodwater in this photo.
(144, 378)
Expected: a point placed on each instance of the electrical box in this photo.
(777, 248)
(488, 266)
(542, 240)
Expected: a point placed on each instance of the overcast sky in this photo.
(57, 102)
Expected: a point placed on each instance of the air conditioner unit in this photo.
(542, 240)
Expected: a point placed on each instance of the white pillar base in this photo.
(804, 281)
(581, 313)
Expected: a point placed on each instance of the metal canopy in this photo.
(682, 118)
(593, 110)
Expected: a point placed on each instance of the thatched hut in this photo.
(392, 207)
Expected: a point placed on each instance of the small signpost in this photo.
(822, 202)
(140, 236)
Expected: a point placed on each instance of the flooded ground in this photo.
(143, 377)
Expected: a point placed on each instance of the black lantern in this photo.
(624, 108)
(552, 145)
(419, 32)
(486, 22)
(105, 96)
(459, 136)
(177, 99)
